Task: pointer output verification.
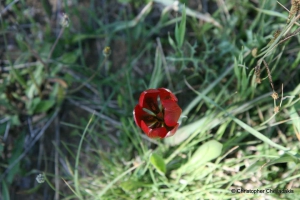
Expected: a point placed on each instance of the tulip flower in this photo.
(157, 113)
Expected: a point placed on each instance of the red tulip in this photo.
(157, 113)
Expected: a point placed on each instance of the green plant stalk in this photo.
(76, 182)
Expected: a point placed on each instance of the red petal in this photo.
(172, 112)
(145, 128)
(158, 132)
(148, 94)
(165, 94)
(148, 100)
(154, 133)
(173, 131)
(138, 114)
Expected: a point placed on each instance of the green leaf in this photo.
(15, 120)
(186, 131)
(177, 35)
(206, 152)
(31, 105)
(271, 13)
(44, 106)
(158, 162)
(70, 57)
(132, 185)
(285, 158)
(156, 77)
(237, 73)
(182, 27)
(61, 93)
(18, 76)
(180, 30)
(80, 37)
(120, 100)
(171, 42)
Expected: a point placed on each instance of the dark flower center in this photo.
(152, 106)
(155, 114)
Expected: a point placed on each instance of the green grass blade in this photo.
(5, 191)
(76, 181)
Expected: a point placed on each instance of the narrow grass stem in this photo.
(56, 41)
(76, 181)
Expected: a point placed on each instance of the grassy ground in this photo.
(66, 106)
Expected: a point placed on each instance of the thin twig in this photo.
(257, 73)
(269, 74)
(112, 121)
(289, 36)
(283, 6)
